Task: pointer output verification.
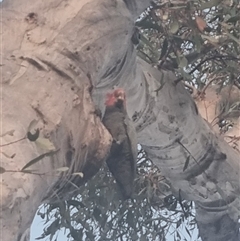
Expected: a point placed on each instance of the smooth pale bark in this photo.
(177, 133)
(55, 55)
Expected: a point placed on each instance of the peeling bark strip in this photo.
(34, 63)
(74, 56)
(60, 72)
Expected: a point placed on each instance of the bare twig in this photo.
(7, 144)
(205, 60)
(194, 90)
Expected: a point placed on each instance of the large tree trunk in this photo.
(56, 56)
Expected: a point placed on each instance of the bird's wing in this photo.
(131, 132)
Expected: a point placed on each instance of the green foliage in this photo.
(198, 39)
(98, 213)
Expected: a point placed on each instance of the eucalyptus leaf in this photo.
(80, 174)
(45, 144)
(39, 158)
(174, 27)
(62, 169)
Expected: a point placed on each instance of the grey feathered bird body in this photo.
(123, 154)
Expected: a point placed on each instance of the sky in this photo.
(38, 226)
